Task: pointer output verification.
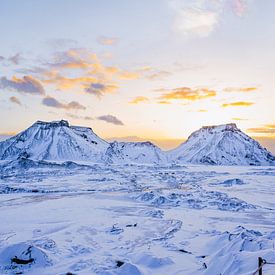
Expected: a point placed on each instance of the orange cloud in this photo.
(128, 75)
(186, 93)
(238, 118)
(238, 104)
(139, 99)
(103, 40)
(240, 89)
(265, 129)
(164, 102)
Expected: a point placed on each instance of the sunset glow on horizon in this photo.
(138, 70)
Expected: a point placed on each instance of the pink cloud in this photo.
(239, 7)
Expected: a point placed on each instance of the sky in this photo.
(139, 70)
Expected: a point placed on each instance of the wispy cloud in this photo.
(15, 59)
(79, 117)
(265, 129)
(239, 7)
(202, 17)
(15, 100)
(240, 89)
(186, 93)
(27, 84)
(52, 102)
(158, 75)
(238, 104)
(104, 40)
(99, 89)
(163, 102)
(110, 119)
(139, 99)
(238, 118)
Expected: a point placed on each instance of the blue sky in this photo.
(152, 69)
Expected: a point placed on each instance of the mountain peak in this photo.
(221, 145)
(55, 140)
(57, 123)
(228, 126)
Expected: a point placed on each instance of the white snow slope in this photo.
(221, 145)
(54, 141)
(135, 219)
(135, 152)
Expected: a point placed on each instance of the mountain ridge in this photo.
(222, 144)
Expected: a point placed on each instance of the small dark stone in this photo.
(131, 225)
(119, 263)
(20, 261)
(184, 251)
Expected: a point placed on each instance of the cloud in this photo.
(159, 75)
(186, 93)
(27, 84)
(238, 118)
(52, 102)
(239, 7)
(104, 40)
(139, 99)
(201, 17)
(163, 102)
(61, 42)
(15, 59)
(240, 89)
(196, 21)
(198, 17)
(265, 129)
(80, 117)
(110, 119)
(128, 75)
(99, 89)
(73, 59)
(238, 104)
(15, 100)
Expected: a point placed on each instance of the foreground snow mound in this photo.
(135, 152)
(22, 257)
(237, 252)
(54, 141)
(221, 145)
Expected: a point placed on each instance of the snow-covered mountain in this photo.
(55, 140)
(221, 145)
(135, 152)
(58, 141)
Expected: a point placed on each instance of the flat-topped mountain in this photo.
(221, 145)
(55, 140)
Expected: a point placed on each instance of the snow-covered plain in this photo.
(135, 219)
